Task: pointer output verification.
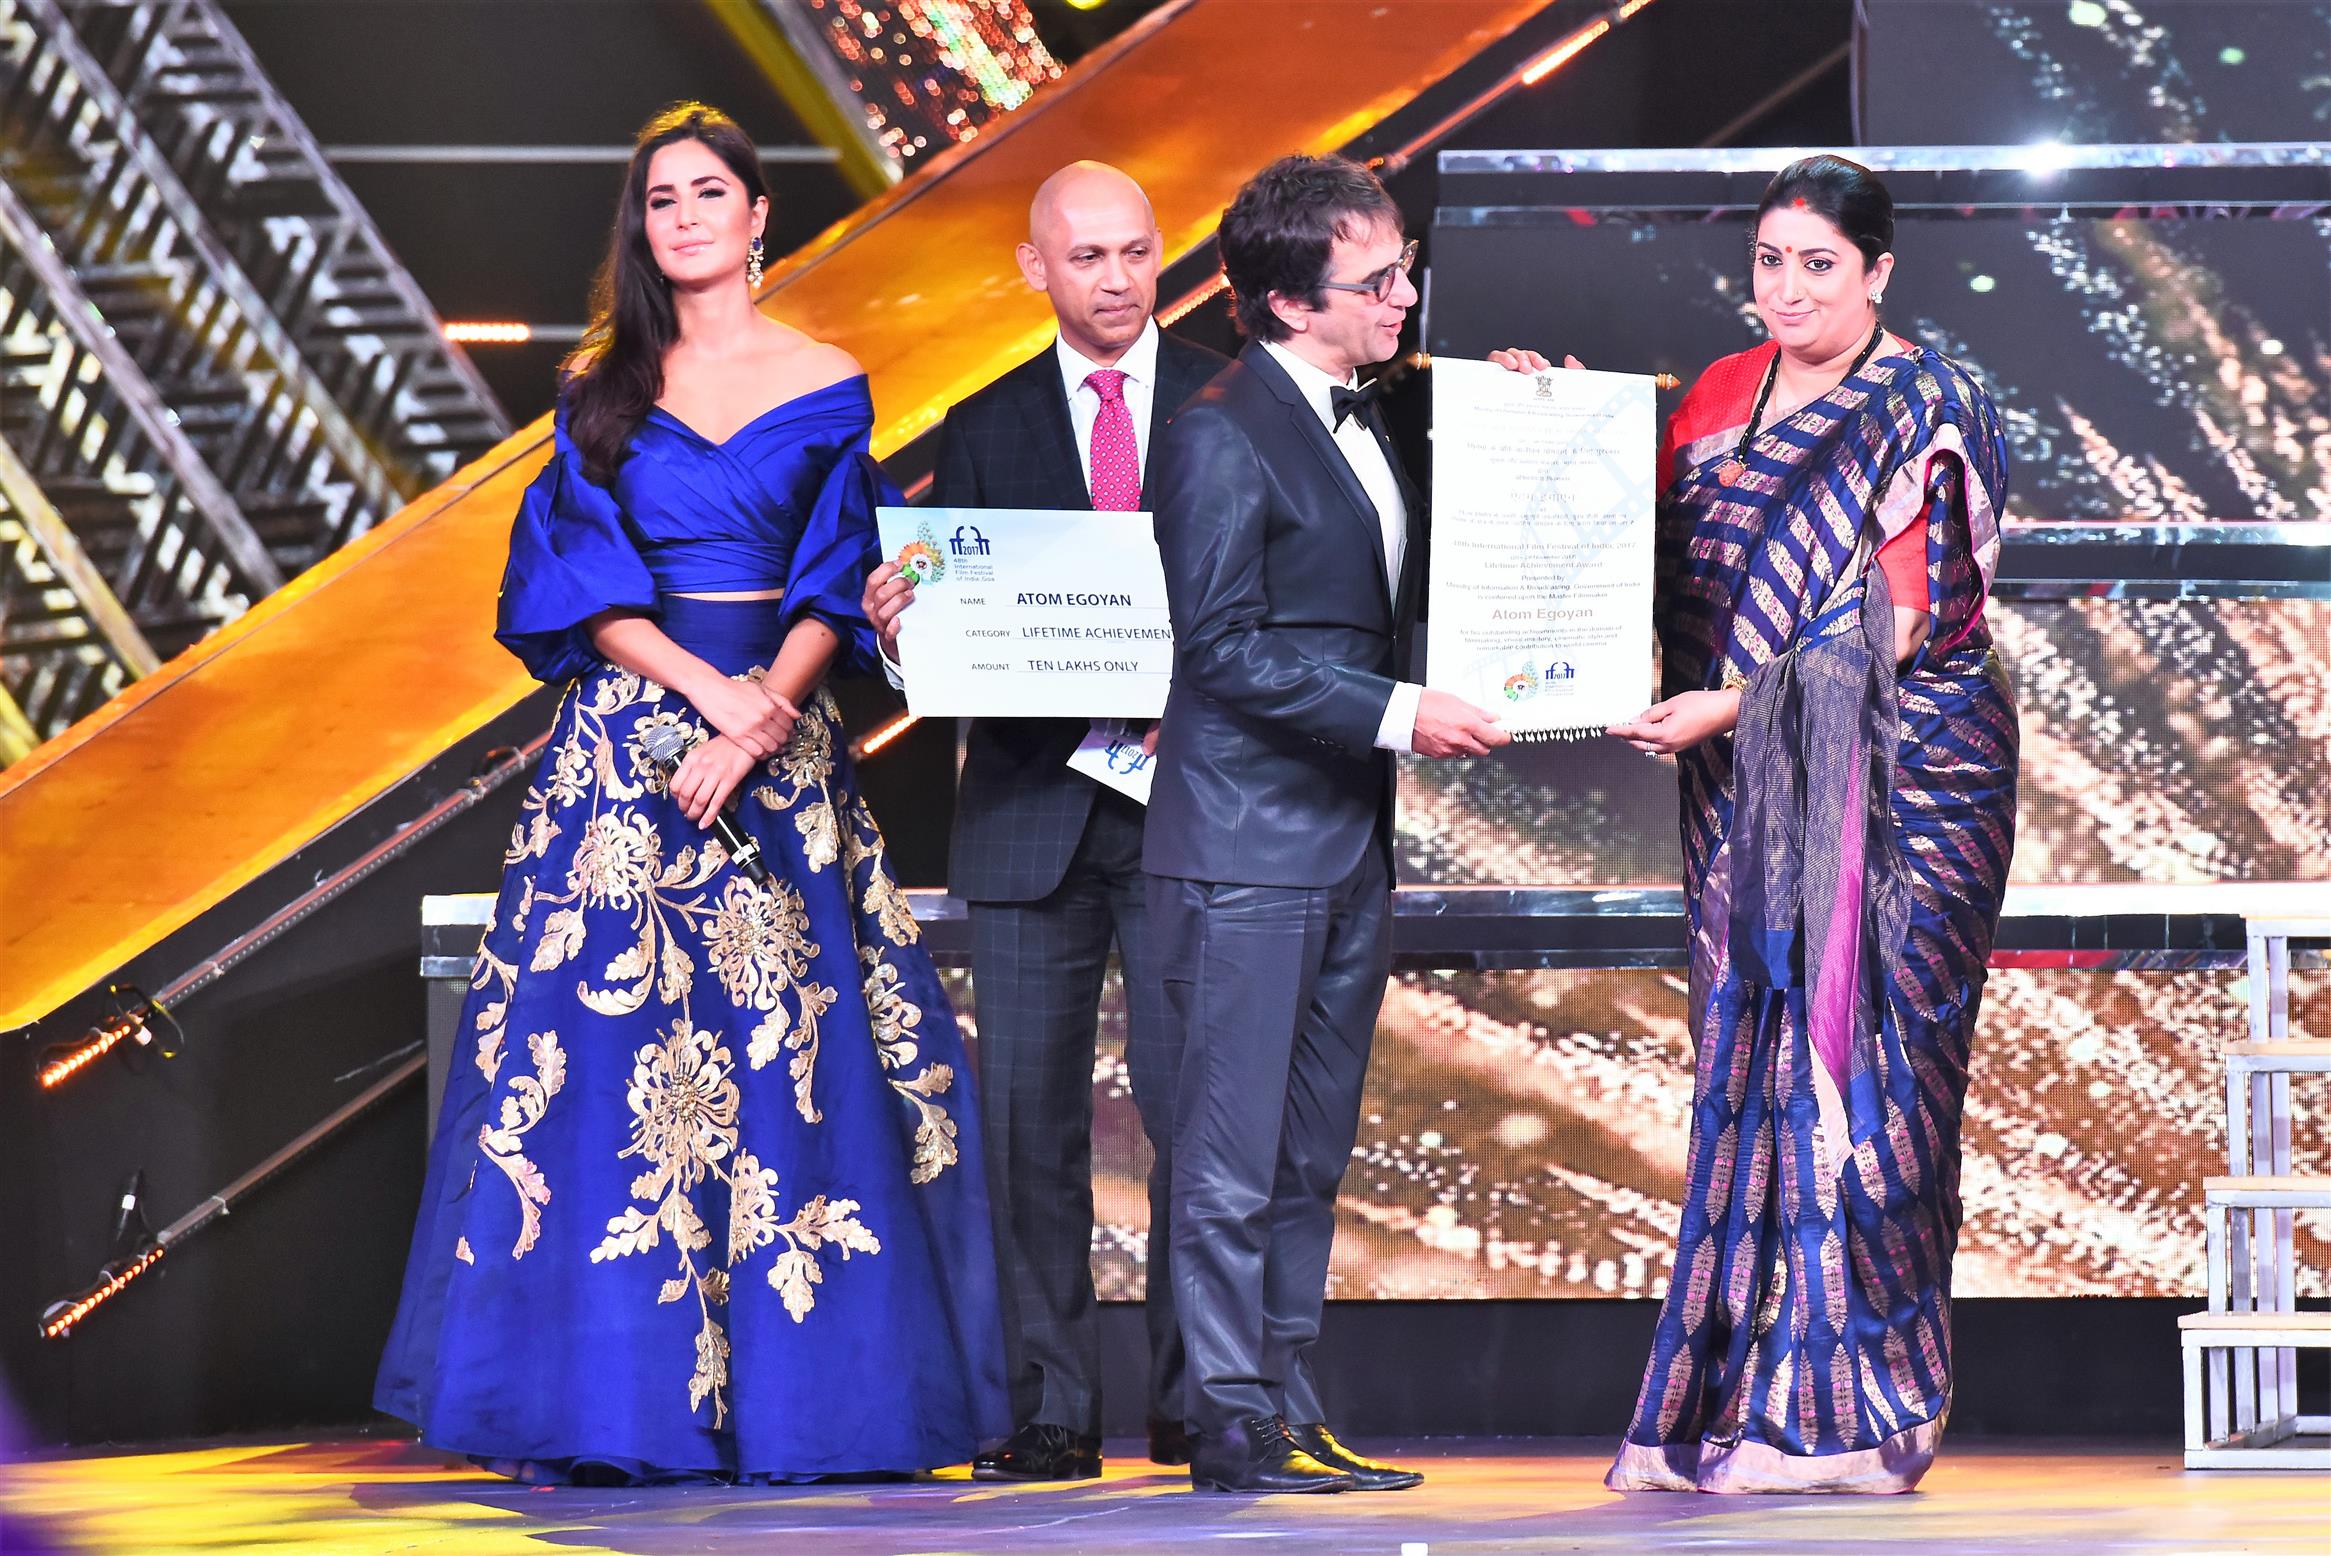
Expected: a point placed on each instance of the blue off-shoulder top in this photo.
(786, 502)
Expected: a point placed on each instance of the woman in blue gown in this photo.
(705, 1199)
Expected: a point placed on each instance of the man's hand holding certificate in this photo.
(1028, 613)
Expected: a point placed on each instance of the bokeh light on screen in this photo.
(1523, 1136)
(2163, 741)
(1524, 1132)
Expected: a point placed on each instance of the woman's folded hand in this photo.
(757, 720)
(708, 776)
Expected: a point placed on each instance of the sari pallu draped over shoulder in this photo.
(1844, 857)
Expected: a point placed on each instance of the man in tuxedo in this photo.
(1047, 860)
(1293, 552)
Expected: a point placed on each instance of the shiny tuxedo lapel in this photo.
(1314, 434)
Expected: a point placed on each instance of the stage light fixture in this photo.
(132, 1021)
(876, 739)
(1564, 52)
(131, 1230)
(2047, 156)
(1570, 48)
(58, 1319)
(138, 1249)
(1169, 316)
(481, 332)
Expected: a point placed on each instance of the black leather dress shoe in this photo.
(1258, 1455)
(1169, 1442)
(1368, 1474)
(1040, 1451)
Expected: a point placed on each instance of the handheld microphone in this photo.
(665, 744)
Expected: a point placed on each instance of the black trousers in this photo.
(1276, 991)
(1036, 970)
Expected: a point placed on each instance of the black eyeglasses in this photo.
(1378, 284)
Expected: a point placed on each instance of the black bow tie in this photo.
(1361, 402)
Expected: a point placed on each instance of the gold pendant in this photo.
(1730, 471)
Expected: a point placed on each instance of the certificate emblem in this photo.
(920, 560)
(1520, 685)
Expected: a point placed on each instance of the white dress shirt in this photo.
(1358, 445)
(1139, 365)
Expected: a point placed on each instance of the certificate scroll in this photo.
(1030, 613)
(1543, 493)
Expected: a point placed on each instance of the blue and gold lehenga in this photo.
(705, 1199)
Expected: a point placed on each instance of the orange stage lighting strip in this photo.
(201, 777)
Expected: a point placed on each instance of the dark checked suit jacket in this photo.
(1020, 811)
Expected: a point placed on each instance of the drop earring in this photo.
(753, 265)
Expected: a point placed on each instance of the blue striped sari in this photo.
(1838, 945)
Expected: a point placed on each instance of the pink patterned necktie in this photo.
(1116, 461)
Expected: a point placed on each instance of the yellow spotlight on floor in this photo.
(487, 333)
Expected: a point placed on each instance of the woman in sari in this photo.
(705, 1200)
(1847, 751)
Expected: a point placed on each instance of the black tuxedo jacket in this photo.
(1287, 640)
(1020, 812)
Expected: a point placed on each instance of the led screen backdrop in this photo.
(1523, 1136)
(2172, 368)
(1961, 72)
(1524, 1131)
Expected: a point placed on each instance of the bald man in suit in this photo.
(1049, 861)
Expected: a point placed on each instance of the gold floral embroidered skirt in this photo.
(705, 1198)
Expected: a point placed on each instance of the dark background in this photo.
(273, 1318)
(2058, 317)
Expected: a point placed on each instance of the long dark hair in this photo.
(617, 373)
(1844, 194)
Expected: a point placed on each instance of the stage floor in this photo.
(359, 1496)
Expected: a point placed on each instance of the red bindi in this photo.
(1798, 203)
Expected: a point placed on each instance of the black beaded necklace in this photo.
(1734, 467)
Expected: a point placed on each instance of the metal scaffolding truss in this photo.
(212, 371)
(54, 595)
(117, 538)
(265, 186)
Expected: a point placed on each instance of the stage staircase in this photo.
(330, 692)
(2242, 1408)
